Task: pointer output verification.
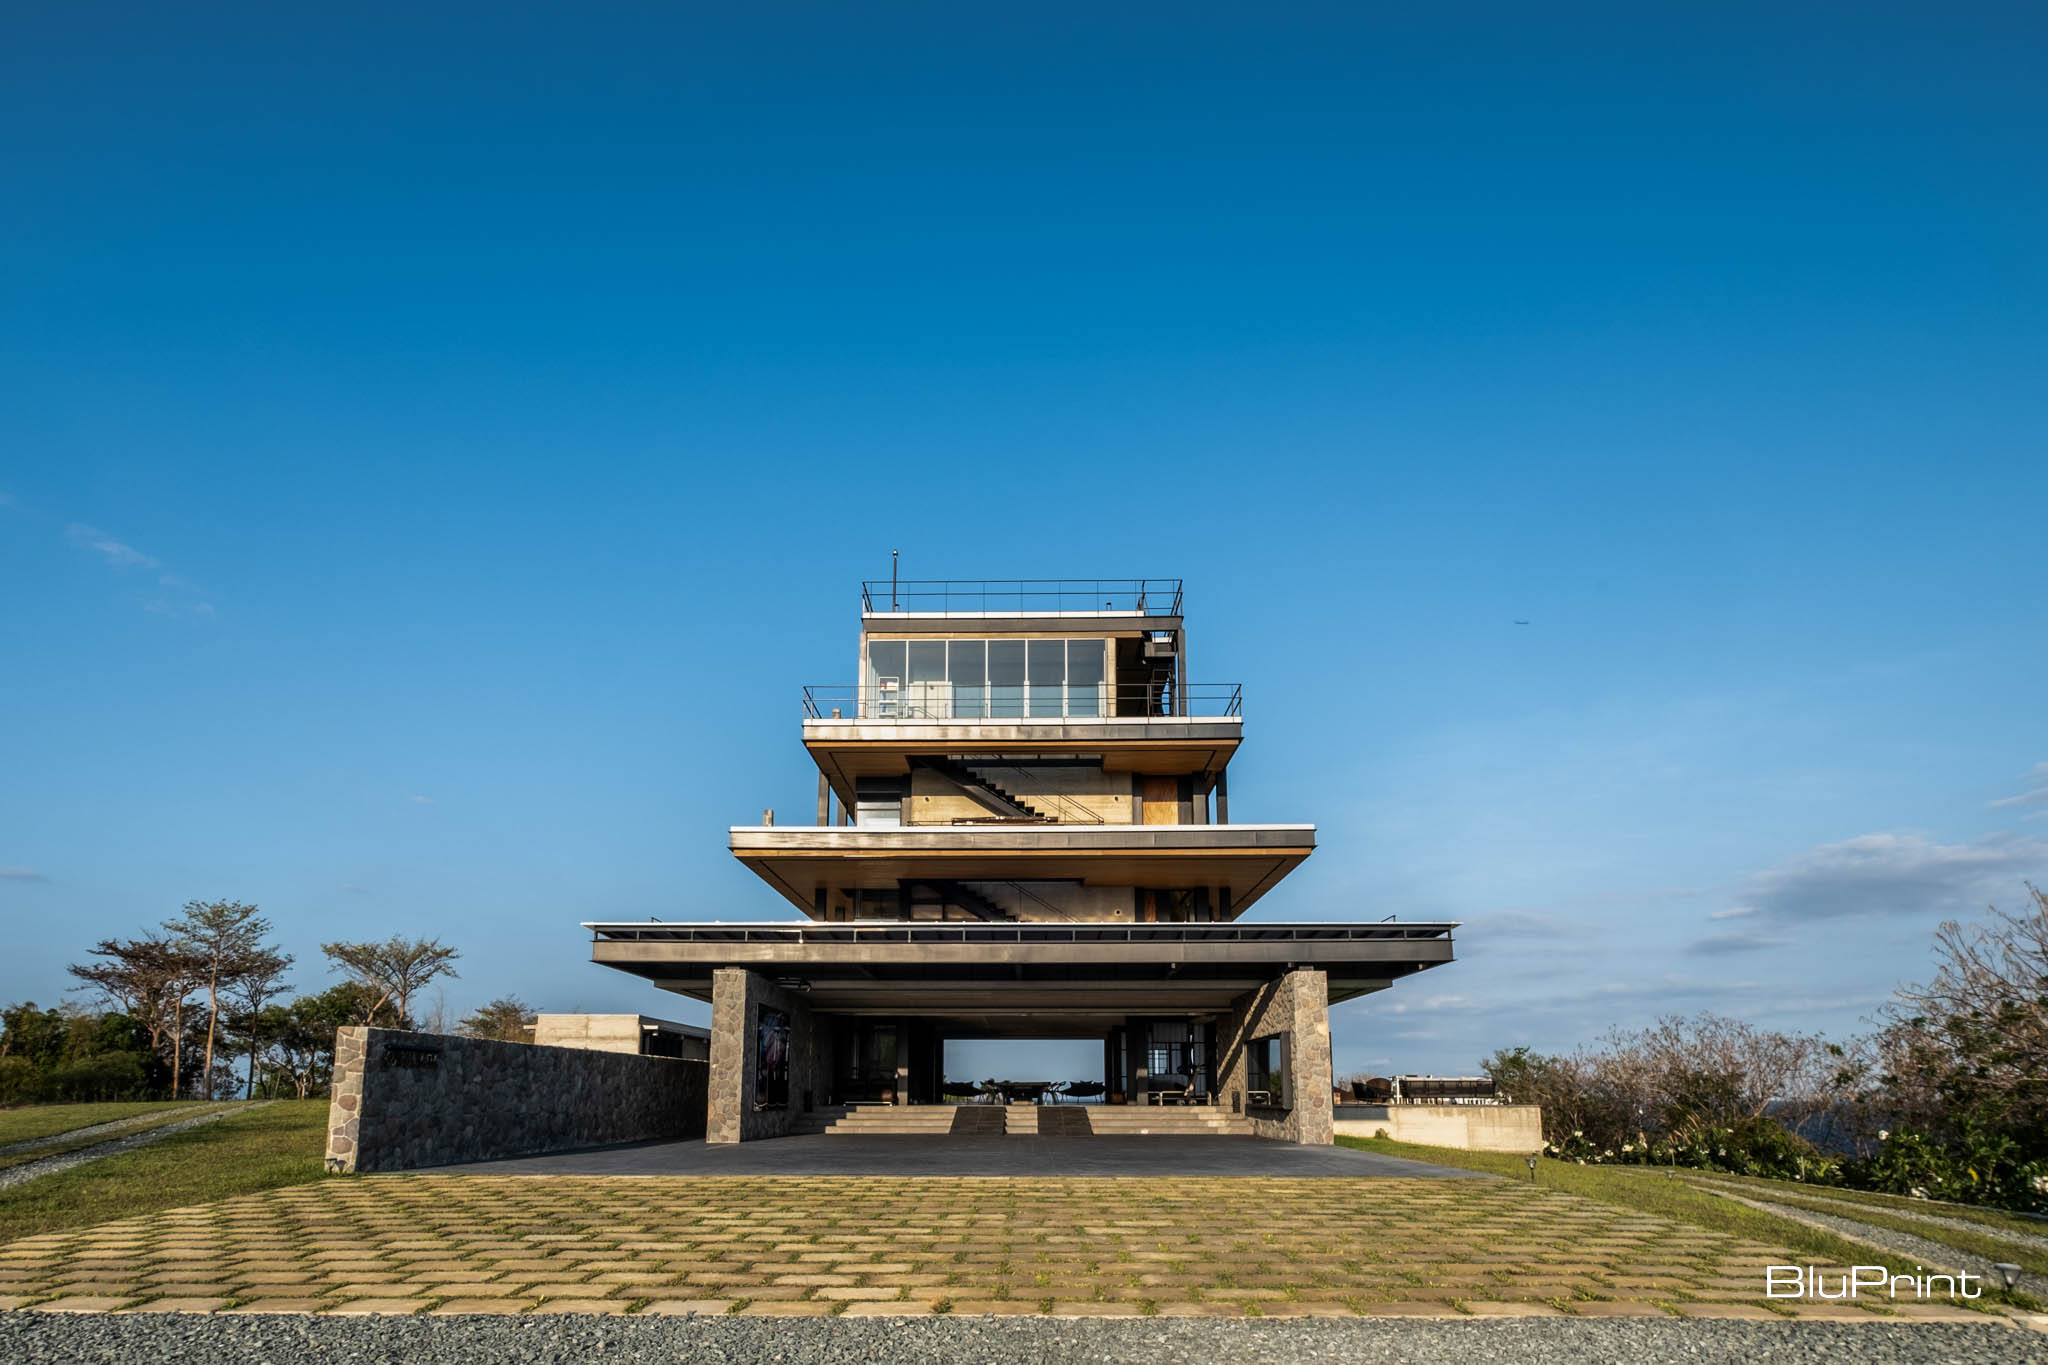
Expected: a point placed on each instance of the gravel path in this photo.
(1922, 1249)
(136, 1339)
(1849, 1209)
(50, 1165)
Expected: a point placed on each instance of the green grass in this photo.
(47, 1120)
(1994, 1220)
(1985, 1243)
(62, 1143)
(279, 1144)
(1650, 1189)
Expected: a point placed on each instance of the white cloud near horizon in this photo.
(21, 874)
(1899, 873)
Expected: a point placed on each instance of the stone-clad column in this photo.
(729, 1096)
(1297, 1009)
(737, 998)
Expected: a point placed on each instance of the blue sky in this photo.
(435, 448)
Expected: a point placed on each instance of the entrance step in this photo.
(1166, 1120)
(1063, 1120)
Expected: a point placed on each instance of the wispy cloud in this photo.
(1716, 945)
(1889, 874)
(1734, 912)
(2035, 795)
(21, 874)
(355, 890)
(178, 596)
(421, 800)
(119, 554)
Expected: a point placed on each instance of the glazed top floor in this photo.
(1053, 649)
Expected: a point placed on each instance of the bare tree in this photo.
(392, 971)
(149, 979)
(1973, 1042)
(221, 937)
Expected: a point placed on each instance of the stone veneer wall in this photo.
(406, 1100)
(1297, 1005)
(737, 998)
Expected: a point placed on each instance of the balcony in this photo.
(1022, 597)
(1022, 704)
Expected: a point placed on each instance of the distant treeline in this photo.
(201, 1009)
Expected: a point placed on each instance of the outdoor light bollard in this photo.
(2008, 1272)
(1532, 1169)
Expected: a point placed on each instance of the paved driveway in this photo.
(1164, 1158)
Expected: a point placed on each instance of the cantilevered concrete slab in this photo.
(801, 860)
(1022, 980)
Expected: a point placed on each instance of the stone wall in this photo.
(1296, 1007)
(1472, 1127)
(737, 998)
(407, 1100)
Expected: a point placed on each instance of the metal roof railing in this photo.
(1021, 596)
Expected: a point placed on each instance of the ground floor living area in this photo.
(782, 1063)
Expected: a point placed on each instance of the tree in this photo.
(222, 938)
(258, 980)
(301, 1034)
(393, 971)
(149, 979)
(1969, 1050)
(507, 1019)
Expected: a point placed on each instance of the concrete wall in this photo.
(406, 1100)
(1297, 1006)
(1472, 1127)
(737, 998)
(610, 1033)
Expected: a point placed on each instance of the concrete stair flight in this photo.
(1165, 1120)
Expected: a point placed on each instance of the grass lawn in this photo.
(63, 1143)
(1994, 1220)
(279, 1144)
(1981, 1240)
(47, 1120)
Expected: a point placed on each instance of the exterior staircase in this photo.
(992, 797)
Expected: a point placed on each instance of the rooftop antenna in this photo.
(892, 581)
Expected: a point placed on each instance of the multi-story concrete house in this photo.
(1023, 830)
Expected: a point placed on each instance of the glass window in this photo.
(927, 661)
(883, 697)
(967, 670)
(1084, 677)
(1005, 678)
(1048, 663)
(885, 659)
